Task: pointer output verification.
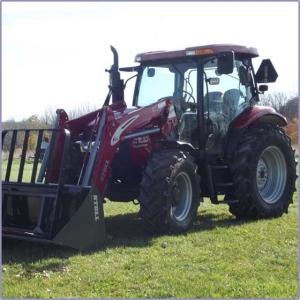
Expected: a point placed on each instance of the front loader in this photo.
(194, 131)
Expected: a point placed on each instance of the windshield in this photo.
(179, 80)
(167, 80)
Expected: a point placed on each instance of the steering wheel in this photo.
(191, 96)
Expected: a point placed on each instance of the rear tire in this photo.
(170, 192)
(264, 173)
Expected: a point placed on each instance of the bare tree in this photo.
(9, 124)
(48, 117)
(290, 110)
(276, 100)
(288, 107)
(81, 109)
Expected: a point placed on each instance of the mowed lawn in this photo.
(219, 258)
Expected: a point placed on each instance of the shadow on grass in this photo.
(20, 251)
(121, 230)
(206, 220)
(126, 230)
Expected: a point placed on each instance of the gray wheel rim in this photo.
(182, 196)
(271, 174)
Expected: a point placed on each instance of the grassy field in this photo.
(28, 167)
(219, 258)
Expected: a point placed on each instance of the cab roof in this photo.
(197, 50)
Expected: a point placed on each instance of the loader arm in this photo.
(153, 121)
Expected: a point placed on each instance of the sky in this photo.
(54, 54)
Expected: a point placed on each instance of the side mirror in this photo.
(263, 88)
(266, 72)
(150, 72)
(225, 62)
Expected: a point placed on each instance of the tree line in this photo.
(44, 121)
(288, 107)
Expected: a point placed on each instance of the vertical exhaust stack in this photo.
(116, 83)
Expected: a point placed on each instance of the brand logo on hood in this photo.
(116, 137)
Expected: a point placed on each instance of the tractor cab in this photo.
(210, 87)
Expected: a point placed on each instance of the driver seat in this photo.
(231, 100)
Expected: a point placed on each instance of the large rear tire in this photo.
(169, 192)
(264, 173)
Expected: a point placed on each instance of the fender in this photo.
(252, 115)
(181, 145)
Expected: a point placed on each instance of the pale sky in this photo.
(54, 53)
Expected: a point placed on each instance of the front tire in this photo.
(264, 173)
(170, 192)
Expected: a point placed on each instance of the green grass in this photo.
(28, 166)
(219, 258)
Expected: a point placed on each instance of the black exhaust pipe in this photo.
(116, 87)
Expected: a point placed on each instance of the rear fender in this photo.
(259, 114)
(253, 115)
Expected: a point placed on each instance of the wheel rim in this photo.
(181, 196)
(271, 174)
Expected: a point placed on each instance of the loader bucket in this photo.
(28, 214)
(49, 212)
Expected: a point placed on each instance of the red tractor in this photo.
(194, 130)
